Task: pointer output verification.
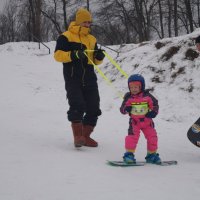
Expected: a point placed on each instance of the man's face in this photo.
(198, 46)
(86, 24)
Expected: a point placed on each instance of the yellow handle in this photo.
(116, 65)
(109, 82)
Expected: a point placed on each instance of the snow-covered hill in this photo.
(37, 157)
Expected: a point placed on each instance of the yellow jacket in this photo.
(76, 38)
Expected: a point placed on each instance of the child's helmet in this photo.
(137, 77)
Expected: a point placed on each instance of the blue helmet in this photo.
(137, 77)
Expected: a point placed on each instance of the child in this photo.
(141, 107)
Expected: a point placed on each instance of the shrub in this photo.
(190, 54)
(170, 53)
(159, 45)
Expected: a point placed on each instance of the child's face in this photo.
(135, 89)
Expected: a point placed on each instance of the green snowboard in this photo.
(140, 163)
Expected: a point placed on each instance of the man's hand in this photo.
(99, 54)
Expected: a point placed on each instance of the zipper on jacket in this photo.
(83, 82)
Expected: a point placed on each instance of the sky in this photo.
(38, 160)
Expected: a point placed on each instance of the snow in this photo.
(37, 158)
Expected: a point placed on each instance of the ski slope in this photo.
(37, 158)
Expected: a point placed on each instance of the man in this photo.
(197, 42)
(77, 49)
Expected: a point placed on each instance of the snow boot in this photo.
(89, 142)
(153, 158)
(79, 139)
(129, 158)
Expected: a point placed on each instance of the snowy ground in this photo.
(37, 157)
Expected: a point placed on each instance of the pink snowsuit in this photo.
(138, 121)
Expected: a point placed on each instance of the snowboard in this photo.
(140, 163)
(193, 133)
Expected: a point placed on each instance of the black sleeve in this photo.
(62, 44)
(126, 97)
(155, 103)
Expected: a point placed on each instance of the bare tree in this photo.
(175, 18)
(161, 18)
(189, 14)
(9, 23)
(38, 18)
(64, 2)
(140, 18)
(115, 21)
(198, 11)
(88, 5)
(3, 29)
(169, 17)
(51, 13)
(148, 16)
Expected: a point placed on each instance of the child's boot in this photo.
(129, 157)
(153, 158)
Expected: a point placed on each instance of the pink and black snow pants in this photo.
(146, 125)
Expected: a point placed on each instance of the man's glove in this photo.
(151, 114)
(78, 54)
(99, 54)
(128, 109)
